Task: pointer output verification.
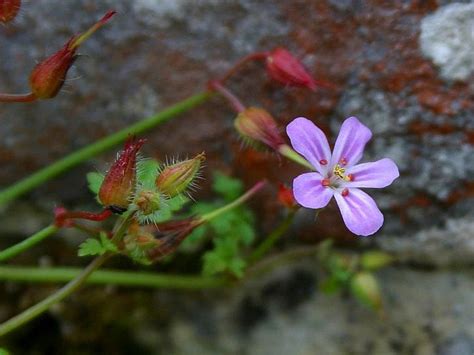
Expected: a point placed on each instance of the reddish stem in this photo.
(30, 97)
(241, 62)
(227, 94)
(63, 217)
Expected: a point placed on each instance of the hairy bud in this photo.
(148, 201)
(48, 77)
(257, 125)
(119, 183)
(176, 178)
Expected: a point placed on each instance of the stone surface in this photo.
(405, 68)
(447, 37)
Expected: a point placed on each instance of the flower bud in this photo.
(148, 201)
(285, 196)
(257, 125)
(365, 288)
(119, 183)
(283, 67)
(9, 9)
(176, 178)
(170, 236)
(48, 77)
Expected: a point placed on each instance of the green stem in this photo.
(257, 187)
(98, 147)
(289, 153)
(110, 277)
(272, 238)
(34, 311)
(27, 243)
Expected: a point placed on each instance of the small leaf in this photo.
(4, 351)
(94, 181)
(107, 243)
(147, 171)
(91, 247)
(229, 188)
(375, 260)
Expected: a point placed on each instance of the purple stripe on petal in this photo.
(309, 192)
(378, 174)
(359, 212)
(350, 142)
(308, 140)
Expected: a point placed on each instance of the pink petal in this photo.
(377, 174)
(309, 192)
(359, 212)
(308, 140)
(350, 142)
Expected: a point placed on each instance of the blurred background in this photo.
(404, 68)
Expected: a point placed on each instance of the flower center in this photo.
(338, 175)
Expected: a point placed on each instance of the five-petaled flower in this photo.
(338, 174)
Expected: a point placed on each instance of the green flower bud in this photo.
(365, 288)
(177, 178)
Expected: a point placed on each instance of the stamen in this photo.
(345, 192)
(343, 161)
(350, 177)
(323, 162)
(325, 182)
(339, 172)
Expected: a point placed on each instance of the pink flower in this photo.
(338, 174)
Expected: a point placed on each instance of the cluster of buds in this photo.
(121, 190)
(9, 10)
(49, 76)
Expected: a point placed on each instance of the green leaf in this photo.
(94, 181)
(91, 247)
(365, 288)
(4, 351)
(107, 243)
(229, 188)
(147, 171)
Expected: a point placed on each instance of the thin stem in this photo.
(272, 238)
(228, 95)
(241, 62)
(208, 216)
(289, 153)
(51, 171)
(27, 243)
(110, 277)
(39, 308)
(30, 97)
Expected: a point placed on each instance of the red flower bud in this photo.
(170, 235)
(119, 183)
(48, 77)
(256, 124)
(9, 9)
(283, 67)
(285, 196)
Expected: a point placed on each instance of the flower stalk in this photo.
(102, 145)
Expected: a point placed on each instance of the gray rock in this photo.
(447, 38)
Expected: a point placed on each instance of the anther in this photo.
(345, 192)
(350, 177)
(325, 182)
(323, 162)
(343, 161)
